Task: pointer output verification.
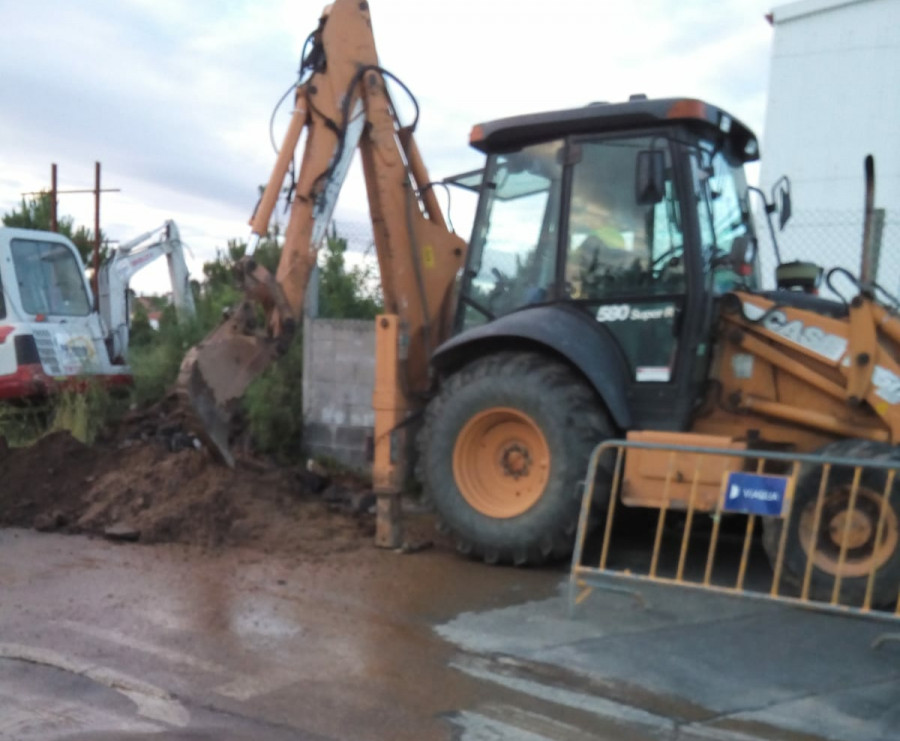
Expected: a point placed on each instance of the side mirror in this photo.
(781, 195)
(784, 208)
(650, 177)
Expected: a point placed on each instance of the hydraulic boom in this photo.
(341, 105)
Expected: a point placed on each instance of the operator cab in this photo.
(49, 333)
(635, 216)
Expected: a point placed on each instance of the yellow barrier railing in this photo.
(831, 528)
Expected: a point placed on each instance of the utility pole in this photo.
(54, 226)
(95, 278)
(54, 217)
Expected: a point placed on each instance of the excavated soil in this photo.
(152, 482)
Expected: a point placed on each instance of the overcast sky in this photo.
(174, 97)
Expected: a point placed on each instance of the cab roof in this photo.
(505, 134)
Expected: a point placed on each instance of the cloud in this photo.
(174, 98)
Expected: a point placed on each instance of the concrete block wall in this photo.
(338, 379)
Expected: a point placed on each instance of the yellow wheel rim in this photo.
(863, 553)
(501, 462)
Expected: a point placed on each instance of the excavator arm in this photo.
(341, 105)
(127, 260)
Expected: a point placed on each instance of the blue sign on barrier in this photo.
(755, 494)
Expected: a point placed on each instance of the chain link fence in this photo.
(360, 257)
(832, 238)
(358, 234)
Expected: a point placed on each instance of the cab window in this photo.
(49, 278)
(514, 244)
(616, 246)
(720, 190)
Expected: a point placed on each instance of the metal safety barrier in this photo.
(830, 526)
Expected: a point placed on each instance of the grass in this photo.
(83, 413)
(23, 424)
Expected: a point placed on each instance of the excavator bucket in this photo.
(215, 374)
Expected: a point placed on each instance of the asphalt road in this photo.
(104, 641)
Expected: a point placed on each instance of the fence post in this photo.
(311, 303)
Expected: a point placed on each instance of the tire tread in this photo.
(584, 414)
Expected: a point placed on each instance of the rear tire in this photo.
(503, 456)
(864, 550)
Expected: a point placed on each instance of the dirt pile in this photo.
(151, 481)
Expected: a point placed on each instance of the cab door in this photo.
(626, 265)
(51, 296)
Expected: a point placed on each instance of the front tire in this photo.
(867, 549)
(504, 452)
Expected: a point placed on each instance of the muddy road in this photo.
(235, 643)
(127, 641)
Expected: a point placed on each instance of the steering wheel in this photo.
(666, 260)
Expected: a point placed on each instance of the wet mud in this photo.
(150, 481)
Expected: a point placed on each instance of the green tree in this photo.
(221, 271)
(345, 294)
(139, 332)
(34, 213)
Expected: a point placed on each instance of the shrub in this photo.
(273, 406)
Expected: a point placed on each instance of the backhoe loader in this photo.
(610, 288)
